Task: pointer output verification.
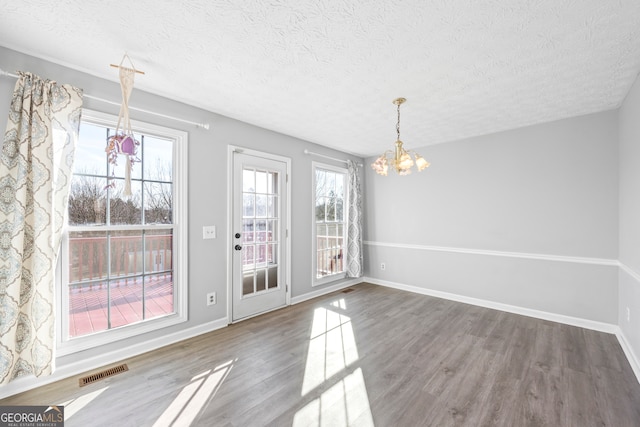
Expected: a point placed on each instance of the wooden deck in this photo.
(89, 305)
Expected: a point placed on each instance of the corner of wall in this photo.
(629, 353)
(628, 145)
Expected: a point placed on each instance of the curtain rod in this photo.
(106, 101)
(328, 157)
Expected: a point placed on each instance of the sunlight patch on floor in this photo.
(341, 303)
(330, 359)
(331, 349)
(73, 406)
(345, 403)
(194, 396)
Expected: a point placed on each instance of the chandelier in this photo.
(399, 158)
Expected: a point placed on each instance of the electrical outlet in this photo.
(383, 266)
(211, 298)
(628, 315)
(209, 232)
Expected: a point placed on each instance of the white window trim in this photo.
(314, 241)
(66, 345)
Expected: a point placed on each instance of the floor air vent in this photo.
(346, 291)
(103, 374)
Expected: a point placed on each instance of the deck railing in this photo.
(89, 260)
(329, 255)
(128, 257)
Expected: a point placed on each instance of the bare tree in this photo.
(87, 200)
(159, 195)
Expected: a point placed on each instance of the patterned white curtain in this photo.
(354, 225)
(35, 172)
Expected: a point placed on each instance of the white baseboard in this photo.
(628, 351)
(326, 290)
(26, 383)
(560, 318)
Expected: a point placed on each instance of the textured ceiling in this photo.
(327, 70)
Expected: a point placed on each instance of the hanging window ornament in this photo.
(123, 141)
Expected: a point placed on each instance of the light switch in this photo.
(209, 232)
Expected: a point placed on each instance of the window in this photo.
(330, 227)
(260, 225)
(122, 265)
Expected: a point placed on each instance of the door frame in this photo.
(229, 240)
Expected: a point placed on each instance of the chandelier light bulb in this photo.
(421, 163)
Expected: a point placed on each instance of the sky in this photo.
(91, 157)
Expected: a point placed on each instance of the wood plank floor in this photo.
(373, 356)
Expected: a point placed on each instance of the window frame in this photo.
(314, 239)
(68, 345)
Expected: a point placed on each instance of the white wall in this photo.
(527, 217)
(629, 125)
(207, 192)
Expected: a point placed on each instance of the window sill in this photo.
(101, 338)
(329, 279)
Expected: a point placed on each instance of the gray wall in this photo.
(549, 189)
(629, 122)
(207, 185)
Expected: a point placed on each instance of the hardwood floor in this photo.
(373, 356)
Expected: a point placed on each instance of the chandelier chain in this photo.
(398, 124)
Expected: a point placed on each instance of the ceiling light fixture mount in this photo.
(399, 158)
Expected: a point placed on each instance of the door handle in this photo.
(237, 235)
(238, 247)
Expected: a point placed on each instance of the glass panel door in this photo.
(258, 235)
